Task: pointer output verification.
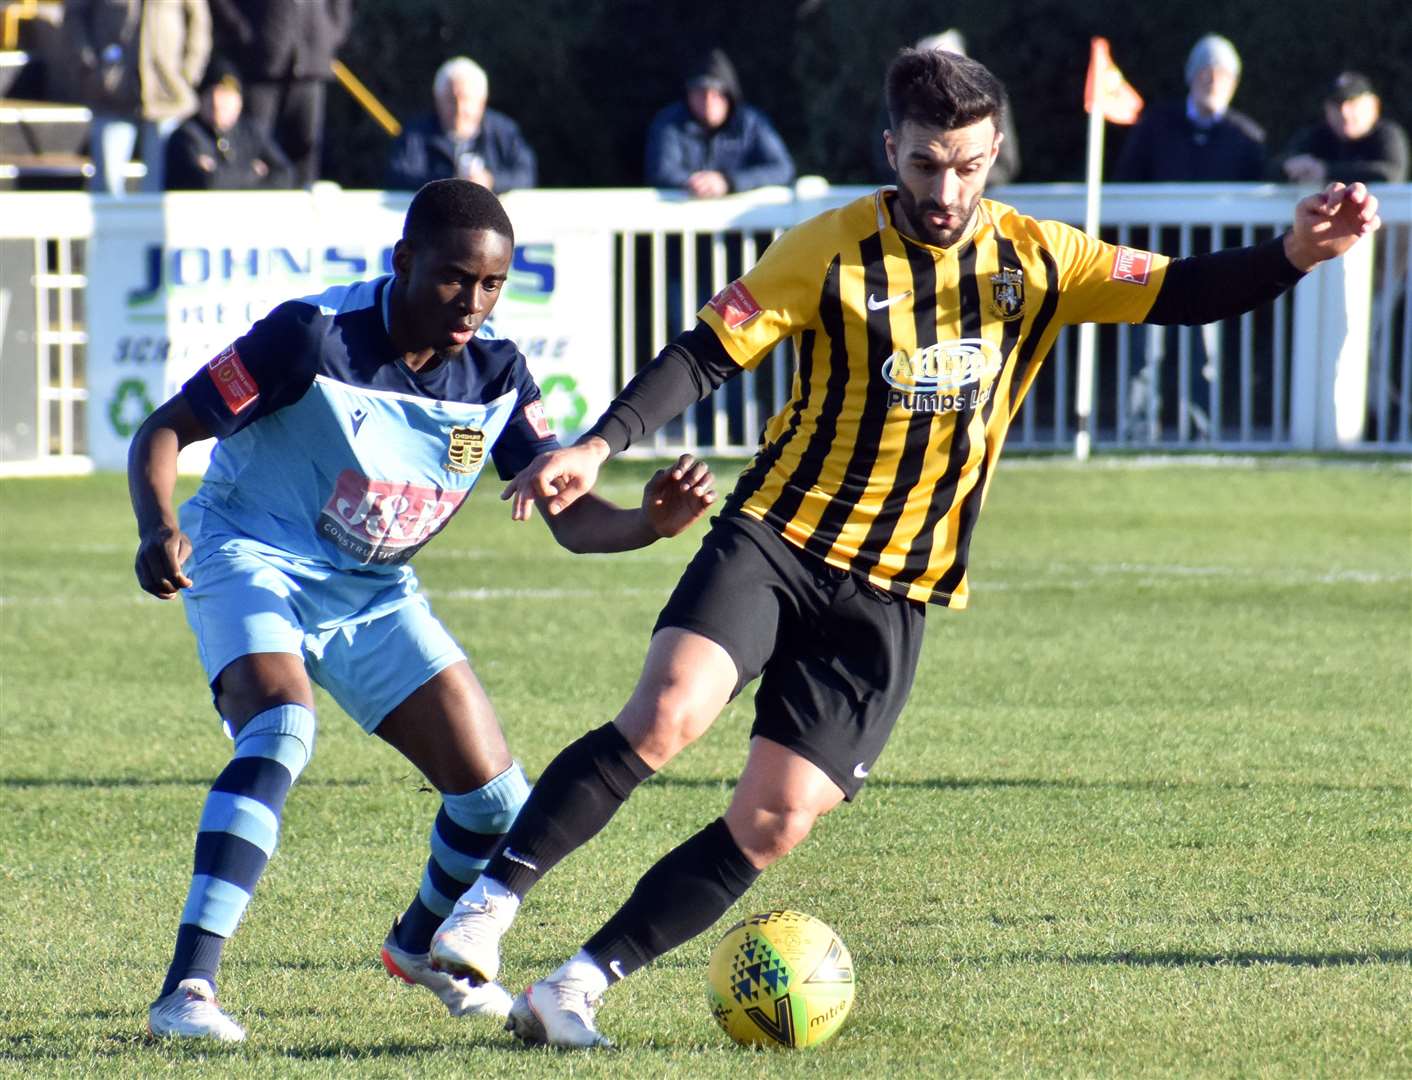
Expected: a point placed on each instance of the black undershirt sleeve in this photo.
(683, 373)
(1221, 284)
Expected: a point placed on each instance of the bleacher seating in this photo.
(43, 143)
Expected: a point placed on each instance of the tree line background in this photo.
(584, 77)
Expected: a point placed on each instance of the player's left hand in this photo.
(1330, 222)
(676, 497)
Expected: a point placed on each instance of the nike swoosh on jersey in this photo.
(860, 771)
(874, 304)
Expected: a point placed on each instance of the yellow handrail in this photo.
(364, 97)
(14, 12)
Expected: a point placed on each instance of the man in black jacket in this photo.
(285, 55)
(1353, 143)
(218, 149)
(1200, 138)
(462, 138)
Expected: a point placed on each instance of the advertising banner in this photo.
(173, 280)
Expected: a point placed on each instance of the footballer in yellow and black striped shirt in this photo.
(921, 315)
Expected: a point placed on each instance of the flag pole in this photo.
(1093, 179)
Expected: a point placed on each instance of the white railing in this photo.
(1327, 367)
(44, 243)
(1262, 381)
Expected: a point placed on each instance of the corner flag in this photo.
(1121, 104)
(1118, 103)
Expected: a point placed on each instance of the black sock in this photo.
(578, 793)
(683, 894)
(197, 956)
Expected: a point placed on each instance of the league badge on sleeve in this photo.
(235, 384)
(734, 305)
(534, 414)
(1131, 265)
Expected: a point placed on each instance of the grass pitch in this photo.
(1148, 812)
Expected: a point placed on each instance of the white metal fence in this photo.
(43, 332)
(1327, 367)
(1263, 381)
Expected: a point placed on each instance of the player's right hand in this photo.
(160, 555)
(557, 476)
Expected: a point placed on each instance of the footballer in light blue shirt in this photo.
(351, 427)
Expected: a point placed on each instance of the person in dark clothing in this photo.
(1353, 143)
(284, 52)
(1201, 138)
(1007, 163)
(711, 142)
(218, 149)
(461, 138)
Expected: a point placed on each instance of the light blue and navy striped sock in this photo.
(237, 835)
(467, 831)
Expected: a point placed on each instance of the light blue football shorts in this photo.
(368, 639)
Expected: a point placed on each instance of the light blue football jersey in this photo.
(331, 449)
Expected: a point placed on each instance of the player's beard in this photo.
(915, 213)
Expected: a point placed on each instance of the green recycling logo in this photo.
(563, 403)
(129, 406)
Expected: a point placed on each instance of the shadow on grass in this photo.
(1176, 959)
(938, 783)
(1040, 783)
(21, 783)
(389, 1049)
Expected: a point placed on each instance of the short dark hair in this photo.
(940, 89)
(454, 204)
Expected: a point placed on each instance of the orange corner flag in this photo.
(1120, 103)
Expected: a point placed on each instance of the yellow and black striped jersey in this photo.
(912, 362)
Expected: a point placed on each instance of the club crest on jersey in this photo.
(1007, 294)
(466, 453)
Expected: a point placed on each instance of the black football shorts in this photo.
(835, 655)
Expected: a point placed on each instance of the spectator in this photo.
(1201, 138)
(462, 137)
(1354, 142)
(139, 62)
(284, 51)
(1007, 164)
(218, 149)
(711, 142)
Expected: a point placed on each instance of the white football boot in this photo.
(468, 941)
(190, 1012)
(460, 996)
(557, 1011)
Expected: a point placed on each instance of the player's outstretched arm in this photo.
(1222, 284)
(684, 372)
(151, 479)
(673, 500)
(556, 479)
(1329, 222)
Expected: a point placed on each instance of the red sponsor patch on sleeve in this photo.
(235, 384)
(1131, 265)
(534, 413)
(734, 305)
